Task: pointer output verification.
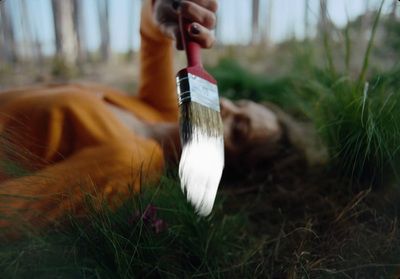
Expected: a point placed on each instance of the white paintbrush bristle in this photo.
(200, 170)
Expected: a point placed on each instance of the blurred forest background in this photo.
(333, 66)
(53, 40)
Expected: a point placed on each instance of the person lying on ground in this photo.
(60, 142)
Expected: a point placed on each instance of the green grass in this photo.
(340, 221)
(154, 235)
(358, 118)
(303, 226)
(190, 246)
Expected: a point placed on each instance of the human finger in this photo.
(201, 35)
(211, 5)
(200, 11)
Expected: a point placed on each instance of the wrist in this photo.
(148, 28)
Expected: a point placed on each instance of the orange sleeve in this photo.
(104, 172)
(67, 143)
(78, 142)
(157, 81)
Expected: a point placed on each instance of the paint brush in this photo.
(200, 128)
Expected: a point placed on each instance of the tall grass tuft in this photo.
(359, 118)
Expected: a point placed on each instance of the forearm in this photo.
(157, 73)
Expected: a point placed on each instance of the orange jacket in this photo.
(66, 141)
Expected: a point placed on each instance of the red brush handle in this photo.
(191, 47)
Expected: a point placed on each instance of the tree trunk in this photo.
(3, 45)
(10, 50)
(104, 30)
(131, 28)
(30, 47)
(65, 35)
(269, 29)
(80, 30)
(323, 16)
(255, 38)
(395, 6)
(324, 29)
(306, 19)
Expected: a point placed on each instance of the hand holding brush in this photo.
(201, 132)
(200, 127)
(201, 14)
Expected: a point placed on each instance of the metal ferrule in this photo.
(195, 89)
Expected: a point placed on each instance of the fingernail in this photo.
(176, 4)
(195, 29)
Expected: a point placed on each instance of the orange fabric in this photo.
(69, 141)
